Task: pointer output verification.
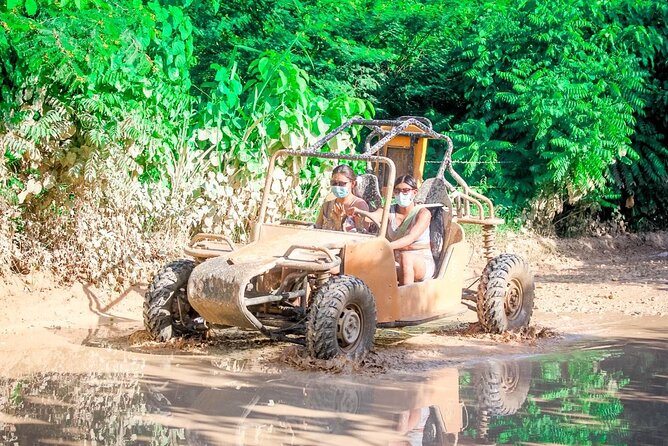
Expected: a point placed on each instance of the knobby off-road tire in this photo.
(502, 388)
(505, 294)
(341, 319)
(167, 313)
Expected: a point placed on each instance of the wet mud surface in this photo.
(77, 368)
(586, 390)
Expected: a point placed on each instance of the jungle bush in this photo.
(129, 123)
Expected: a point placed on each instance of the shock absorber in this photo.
(488, 238)
(321, 278)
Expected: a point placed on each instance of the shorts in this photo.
(429, 265)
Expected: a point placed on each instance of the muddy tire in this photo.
(503, 388)
(505, 294)
(341, 320)
(167, 313)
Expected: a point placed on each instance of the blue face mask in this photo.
(404, 200)
(340, 191)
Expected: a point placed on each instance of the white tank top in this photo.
(392, 228)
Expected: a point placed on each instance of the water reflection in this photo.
(603, 396)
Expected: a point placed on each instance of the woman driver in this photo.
(335, 214)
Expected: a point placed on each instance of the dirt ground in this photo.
(584, 287)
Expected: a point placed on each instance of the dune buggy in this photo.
(330, 290)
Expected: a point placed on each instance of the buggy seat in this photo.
(367, 188)
(434, 194)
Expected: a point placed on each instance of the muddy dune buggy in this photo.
(330, 290)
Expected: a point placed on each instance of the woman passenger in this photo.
(408, 233)
(337, 214)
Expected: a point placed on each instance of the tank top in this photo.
(392, 228)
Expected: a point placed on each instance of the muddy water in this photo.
(598, 390)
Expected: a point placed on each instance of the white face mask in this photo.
(405, 200)
(340, 191)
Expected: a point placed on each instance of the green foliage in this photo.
(87, 77)
(91, 90)
(244, 121)
(16, 396)
(554, 107)
(274, 108)
(543, 98)
(558, 87)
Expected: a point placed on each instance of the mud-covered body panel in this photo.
(216, 291)
(217, 287)
(275, 240)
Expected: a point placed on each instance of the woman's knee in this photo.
(406, 260)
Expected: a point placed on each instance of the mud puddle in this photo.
(606, 388)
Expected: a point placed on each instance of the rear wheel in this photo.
(505, 294)
(167, 313)
(341, 320)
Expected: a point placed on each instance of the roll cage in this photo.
(467, 205)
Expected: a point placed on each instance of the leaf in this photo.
(13, 4)
(180, 61)
(16, 396)
(173, 73)
(177, 15)
(31, 7)
(185, 30)
(262, 65)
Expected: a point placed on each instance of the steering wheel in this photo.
(368, 215)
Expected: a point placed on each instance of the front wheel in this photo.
(505, 294)
(341, 320)
(167, 313)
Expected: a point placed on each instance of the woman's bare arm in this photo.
(318, 221)
(374, 216)
(421, 224)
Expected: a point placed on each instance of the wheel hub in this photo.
(349, 325)
(513, 301)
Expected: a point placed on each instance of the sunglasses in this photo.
(403, 190)
(340, 183)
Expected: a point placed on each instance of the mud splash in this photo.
(527, 335)
(372, 364)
